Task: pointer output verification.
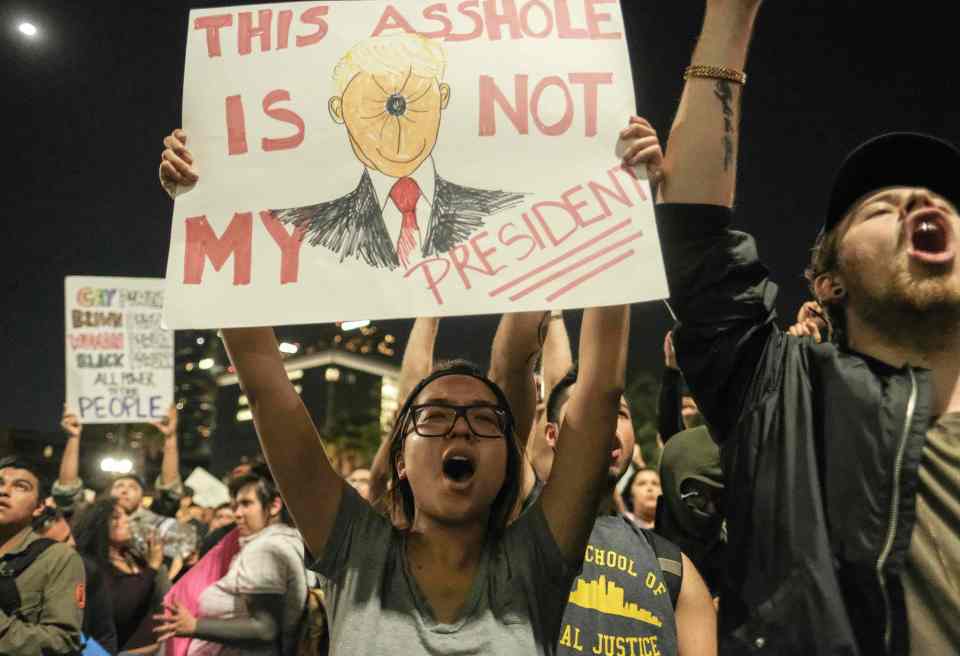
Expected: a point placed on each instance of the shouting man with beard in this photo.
(841, 459)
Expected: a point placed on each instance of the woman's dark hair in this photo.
(91, 530)
(627, 495)
(264, 487)
(400, 495)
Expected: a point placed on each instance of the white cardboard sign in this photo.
(208, 490)
(119, 360)
(367, 159)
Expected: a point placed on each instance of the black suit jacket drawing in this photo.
(353, 225)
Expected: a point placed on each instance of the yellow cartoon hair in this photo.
(392, 53)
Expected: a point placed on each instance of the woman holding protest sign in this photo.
(458, 579)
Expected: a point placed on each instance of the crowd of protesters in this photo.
(805, 498)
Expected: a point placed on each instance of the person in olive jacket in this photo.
(41, 581)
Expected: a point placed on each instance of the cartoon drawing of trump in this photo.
(390, 97)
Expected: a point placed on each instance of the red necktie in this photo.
(405, 194)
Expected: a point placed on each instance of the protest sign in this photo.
(372, 160)
(208, 490)
(119, 359)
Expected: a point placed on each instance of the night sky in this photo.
(86, 107)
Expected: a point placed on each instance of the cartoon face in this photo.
(392, 119)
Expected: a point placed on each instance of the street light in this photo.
(332, 376)
(27, 29)
(353, 325)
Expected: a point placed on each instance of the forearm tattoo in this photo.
(724, 92)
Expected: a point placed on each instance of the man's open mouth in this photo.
(930, 236)
(458, 467)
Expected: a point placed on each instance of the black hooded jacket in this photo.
(820, 449)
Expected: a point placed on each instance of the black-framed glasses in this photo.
(438, 419)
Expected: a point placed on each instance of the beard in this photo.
(914, 308)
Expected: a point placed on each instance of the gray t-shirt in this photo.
(375, 606)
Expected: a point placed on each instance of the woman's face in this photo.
(455, 478)
(644, 491)
(119, 527)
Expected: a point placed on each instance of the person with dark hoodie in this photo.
(689, 512)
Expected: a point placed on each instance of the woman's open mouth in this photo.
(458, 468)
(931, 239)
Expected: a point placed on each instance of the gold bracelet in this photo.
(715, 72)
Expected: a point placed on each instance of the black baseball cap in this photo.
(895, 159)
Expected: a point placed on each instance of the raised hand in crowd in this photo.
(167, 425)
(811, 322)
(170, 464)
(641, 147)
(70, 423)
(68, 485)
(178, 170)
(669, 354)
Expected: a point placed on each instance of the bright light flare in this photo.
(206, 363)
(116, 465)
(353, 325)
(27, 29)
(287, 347)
